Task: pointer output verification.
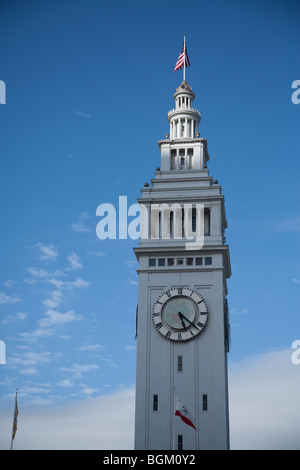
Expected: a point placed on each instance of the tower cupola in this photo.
(184, 119)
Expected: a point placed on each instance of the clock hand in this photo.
(190, 322)
(181, 319)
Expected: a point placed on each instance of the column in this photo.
(215, 221)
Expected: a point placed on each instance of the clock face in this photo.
(180, 314)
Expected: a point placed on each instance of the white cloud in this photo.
(92, 423)
(96, 253)
(239, 311)
(30, 358)
(21, 315)
(11, 318)
(130, 348)
(80, 226)
(54, 300)
(264, 411)
(9, 283)
(296, 281)
(53, 317)
(80, 113)
(91, 347)
(291, 224)
(28, 371)
(78, 283)
(29, 280)
(131, 263)
(109, 362)
(37, 273)
(88, 391)
(78, 369)
(56, 282)
(9, 299)
(47, 252)
(64, 337)
(66, 383)
(34, 335)
(264, 402)
(42, 274)
(74, 261)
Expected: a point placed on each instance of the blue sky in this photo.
(88, 88)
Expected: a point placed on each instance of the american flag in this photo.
(183, 56)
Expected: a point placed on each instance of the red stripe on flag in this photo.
(185, 419)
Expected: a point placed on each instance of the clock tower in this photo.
(182, 315)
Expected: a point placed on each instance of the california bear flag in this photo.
(183, 412)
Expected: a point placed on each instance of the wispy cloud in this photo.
(66, 383)
(28, 371)
(11, 318)
(99, 254)
(130, 348)
(9, 299)
(108, 419)
(291, 224)
(80, 113)
(53, 317)
(80, 226)
(91, 347)
(131, 263)
(34, 335)
(239, 311)
(38, 273)
(9, 283)
(259, 417)
(54, 300)
(88, 391)
(78, 369)
(30, 358)
(46, 252)
(74, 262)
(78, 283)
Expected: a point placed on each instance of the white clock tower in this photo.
(182, 316)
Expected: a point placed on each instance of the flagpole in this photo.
(184, 57)
(174, 410)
